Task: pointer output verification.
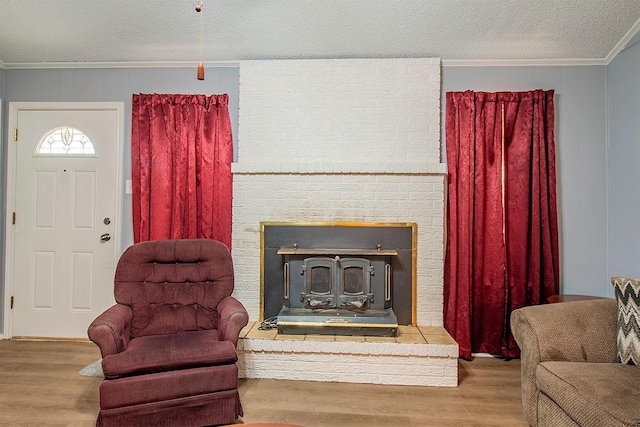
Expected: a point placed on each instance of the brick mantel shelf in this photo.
(341, 168)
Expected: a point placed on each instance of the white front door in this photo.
(66, 195)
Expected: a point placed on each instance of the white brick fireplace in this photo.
(353, 140)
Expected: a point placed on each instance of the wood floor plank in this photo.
(40, 386)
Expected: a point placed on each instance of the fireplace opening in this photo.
(344, 279)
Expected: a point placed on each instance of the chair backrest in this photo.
(173, 285)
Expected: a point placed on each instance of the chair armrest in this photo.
(569, 331)
(232, 317)
(111, 330)
(581, 331)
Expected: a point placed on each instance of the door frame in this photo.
(11, 162)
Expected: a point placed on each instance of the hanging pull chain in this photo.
(200, 73)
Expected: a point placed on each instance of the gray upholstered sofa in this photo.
(569, 372)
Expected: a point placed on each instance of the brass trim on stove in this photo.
(261, 315)
(414, 274)
(414, 252)
(337, 251)
(345, 324)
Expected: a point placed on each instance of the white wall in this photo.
(3, 192)
(3, 180)
(347, 111)
(623, 102)
(581, 156)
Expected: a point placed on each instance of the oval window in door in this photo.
(63, 141)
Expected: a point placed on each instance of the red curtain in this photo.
(181, 154)
(502, 232)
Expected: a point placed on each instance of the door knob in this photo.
(105, 237)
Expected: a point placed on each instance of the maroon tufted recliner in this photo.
(169, 344)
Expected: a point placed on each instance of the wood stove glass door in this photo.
(319, 278)
(355, 283)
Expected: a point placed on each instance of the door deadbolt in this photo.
(107, 221)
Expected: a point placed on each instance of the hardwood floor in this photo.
(40, 386)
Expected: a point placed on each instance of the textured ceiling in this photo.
(167, 31)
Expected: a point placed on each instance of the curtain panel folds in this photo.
(502, 232)
(181, 154)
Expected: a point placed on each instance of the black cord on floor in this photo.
(270, 323)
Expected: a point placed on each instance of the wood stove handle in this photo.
(387, 282)
(286, 280)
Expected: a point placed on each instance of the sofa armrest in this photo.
(111, 330)
(570, 331)
(232, 317)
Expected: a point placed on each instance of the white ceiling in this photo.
(39, 33)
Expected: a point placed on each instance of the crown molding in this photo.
(560, 62)
(117, 64)
(619, 47)
(445, 62)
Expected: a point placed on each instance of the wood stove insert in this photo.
(344, 278)
(337, 291)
